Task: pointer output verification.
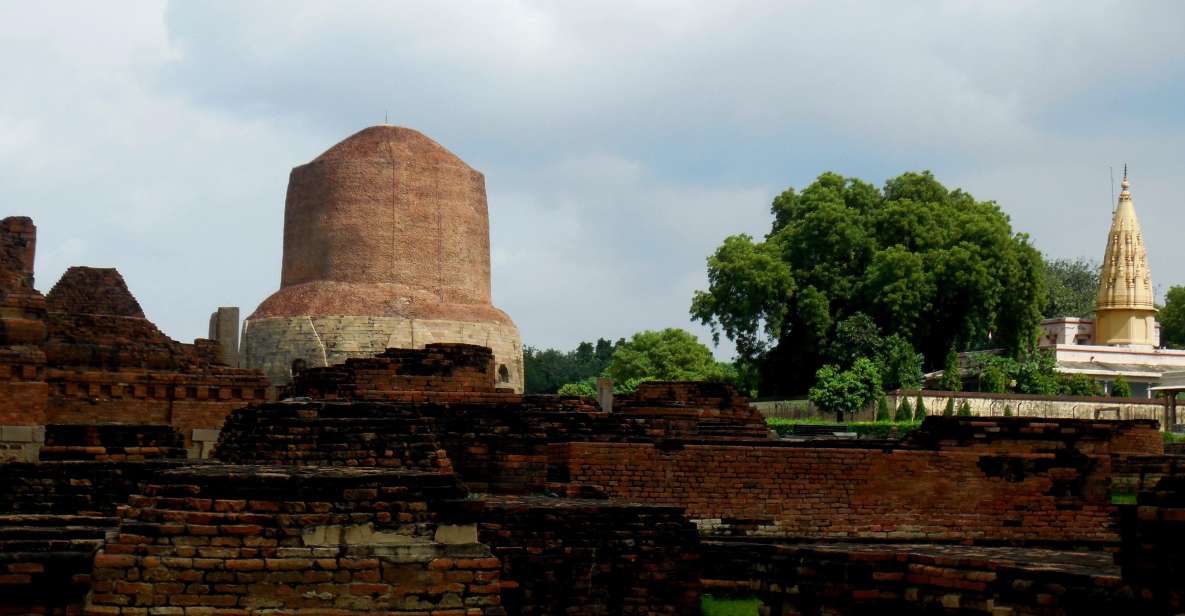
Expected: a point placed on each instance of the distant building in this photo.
(1123, 338)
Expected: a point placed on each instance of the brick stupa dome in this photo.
(386, 244)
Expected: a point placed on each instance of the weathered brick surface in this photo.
(297, 540)
(1031, 487)
(587, 557)
(23, 391)
(112, 443)
(1152, 552)
(333, 434)
(852, 578)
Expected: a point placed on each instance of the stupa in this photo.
(386, 245)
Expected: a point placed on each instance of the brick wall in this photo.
(587, 557)
(1030, 481)
(308, 541)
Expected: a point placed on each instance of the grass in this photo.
(866, 429)
(1173, 437)
(711, 606)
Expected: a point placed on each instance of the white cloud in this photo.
(621, 141)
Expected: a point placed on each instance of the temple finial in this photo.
(1125, 184)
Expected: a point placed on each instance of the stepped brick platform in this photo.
(46, 560)
(853, 578)
(295, 540)
(588, 557)
(333, 434)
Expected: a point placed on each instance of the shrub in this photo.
(964, 409)
(949, 411)
(904, 412)
(882, 410)
(1121, 388)
(919, 409)
(1008, 410)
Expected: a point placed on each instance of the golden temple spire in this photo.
(1125, 311)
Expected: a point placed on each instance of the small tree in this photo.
(919, 409)
(904, 412)
(964, 409)
(1008, 410)
(882, 409)
(949, 411)
(844, 391)
(951, 379)
(1121, 388)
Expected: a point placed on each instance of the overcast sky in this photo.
(621, 141)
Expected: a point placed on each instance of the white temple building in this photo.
(1124, 337)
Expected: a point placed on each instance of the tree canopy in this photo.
(1172, 319)
(671, 354)
(549, 369)
(1072, 287)
(928, 264)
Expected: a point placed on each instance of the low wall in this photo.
(1042, 482)
(1024, 405)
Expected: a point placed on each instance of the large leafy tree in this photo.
(1172, 319)
(926, 263)
(1072, 287)
(669, 355)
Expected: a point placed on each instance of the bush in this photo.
(964, 409)
(1079, 385)
(882, 410)
(845, 391)
(919, 409)
(949, 411)
(1008, 410)
(1121, 388)
(904, 412)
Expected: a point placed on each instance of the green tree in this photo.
(952, 380)
(668, 355)
(549, 369)
(919, 409)
(586, 387)
(923, 262)
(1121, 388)
(964, 409)
(949, 409)
(1008, 410)
(1172, 319)
(1079, 385)
(882, 409)
(846, 391)
(904, 412)
(1072, 285)
(900, 365)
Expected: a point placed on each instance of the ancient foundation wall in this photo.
(587, 557)
(303, 541)
(272, 344)
(194, 405)
(959, 480)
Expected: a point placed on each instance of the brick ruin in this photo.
(413, 482)
(86, 354)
